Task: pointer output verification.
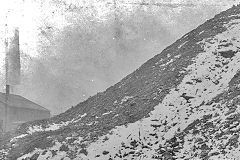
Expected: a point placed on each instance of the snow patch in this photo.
(180, 46)
(107, 113)
(165, 64)
(50, 127)
(125, 99)
(18, 137)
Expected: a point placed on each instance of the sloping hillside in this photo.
(183, 103)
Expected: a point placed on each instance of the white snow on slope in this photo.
(193, 142)
(53, 126)
(18, 137)
(207, 77)
(50, 127)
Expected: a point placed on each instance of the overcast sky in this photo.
(71, 50)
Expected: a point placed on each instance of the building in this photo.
(20, 110)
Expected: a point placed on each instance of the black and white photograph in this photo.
(120, 80)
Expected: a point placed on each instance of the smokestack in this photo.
(13, 59)
(12, 63)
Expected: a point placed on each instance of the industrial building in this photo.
(19, 110)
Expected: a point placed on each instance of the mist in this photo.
(89, 53)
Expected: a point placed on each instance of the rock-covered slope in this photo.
(183, 103)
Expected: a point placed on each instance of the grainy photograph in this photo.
(120, 80)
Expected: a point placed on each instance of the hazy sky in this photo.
(71, 50)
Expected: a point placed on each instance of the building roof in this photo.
(20, 102)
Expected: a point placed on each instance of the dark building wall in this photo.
(17, 116)
(22, 114)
